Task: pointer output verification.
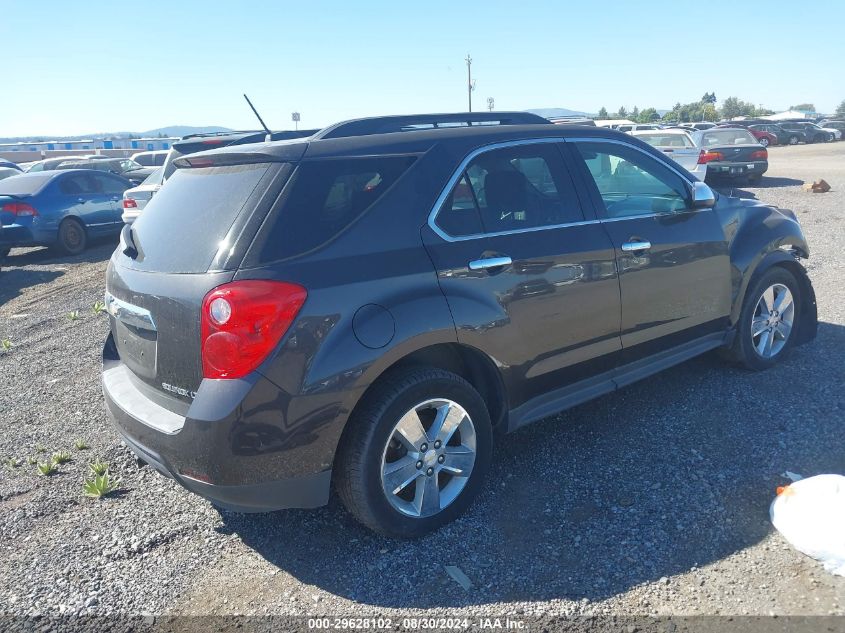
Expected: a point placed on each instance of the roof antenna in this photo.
(269, 136)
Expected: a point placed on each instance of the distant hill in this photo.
(184, 130)
(556, 112)
(171, 130)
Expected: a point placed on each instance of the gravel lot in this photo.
(653, 500)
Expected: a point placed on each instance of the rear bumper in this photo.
(214, 450)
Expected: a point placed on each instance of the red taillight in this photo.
(20, 209)
(243, 321)
(706, 157)
(759, 154)
(129, 203)
(212, 141)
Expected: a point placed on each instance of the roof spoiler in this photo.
(413, 122)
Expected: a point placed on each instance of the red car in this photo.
(764, 138)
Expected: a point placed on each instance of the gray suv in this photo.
(368, 309)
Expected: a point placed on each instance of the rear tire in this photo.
(72, 237)
(395, 472)
(767, 325)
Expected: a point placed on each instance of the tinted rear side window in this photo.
(184, 224)
(323, 198)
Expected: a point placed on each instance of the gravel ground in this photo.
(652, 500)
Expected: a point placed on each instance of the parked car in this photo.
(150, 158)
(701, 125)
(783, 136)
(8, 172)
(62, 209)
(371, 306)
(763, 137)
(679, 146)
(637, 126)
(125, 167)
(7, 164)
(135, 199)
(732, 153)
(49, 163)
(833, 124)
(812, 133)
(835, 133)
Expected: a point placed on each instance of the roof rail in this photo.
(414, 122)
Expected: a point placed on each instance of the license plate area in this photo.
(137, 348)
(135, 336)
(737, 170)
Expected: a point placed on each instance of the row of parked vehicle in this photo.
(65, 202)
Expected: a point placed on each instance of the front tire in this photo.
(793, 140)
(72, 238)
(764, 142)
(415, 453)
(768, 320)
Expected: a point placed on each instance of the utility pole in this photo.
(470, 86)
(490, 103)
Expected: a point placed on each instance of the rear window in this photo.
(322, 199)
(727, 137)
(666, 140)
(23, 185)
(185, 223)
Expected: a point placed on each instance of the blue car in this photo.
(62, 209)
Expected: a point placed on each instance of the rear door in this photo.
(112, 189)
(673, 261)
(530, 279)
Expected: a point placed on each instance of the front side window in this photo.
(632, 183)
(510, 189)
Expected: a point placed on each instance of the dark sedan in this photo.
(125, 167)
(732, 153)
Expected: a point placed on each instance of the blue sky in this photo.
(90, 66)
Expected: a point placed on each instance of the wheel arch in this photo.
(785, 258)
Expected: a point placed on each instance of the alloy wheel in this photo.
(428, 458)
(772, 321)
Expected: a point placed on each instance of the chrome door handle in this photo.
(490, 262)
(630, 247)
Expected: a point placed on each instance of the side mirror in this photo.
(702, 196)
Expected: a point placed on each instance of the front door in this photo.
(531, 281)
(673, 260)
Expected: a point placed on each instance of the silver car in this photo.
(135, 199)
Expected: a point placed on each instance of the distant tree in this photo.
(840, 111)
(622, 113)
(804, 106)
(603, 113)
(648, 116)
(734, 107)
(709, 97)
(709, 113)
(635, 114)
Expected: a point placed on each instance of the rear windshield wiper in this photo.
(127, 242)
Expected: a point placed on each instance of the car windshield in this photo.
(727, 137)
(129, 165)
(667, 140)
(23, 185)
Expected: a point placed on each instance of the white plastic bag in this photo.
(810, 514)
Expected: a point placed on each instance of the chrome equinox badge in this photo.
(178, 390)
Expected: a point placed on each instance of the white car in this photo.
(836, 135)
(677, 145)
(636, 127)
(135, 199)
(151, 158)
